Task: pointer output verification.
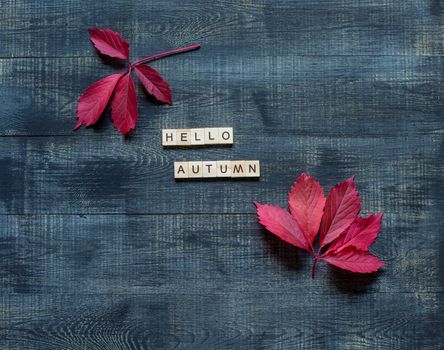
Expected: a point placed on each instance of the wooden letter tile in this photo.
(209, 169)
(238, 168)
(226, 136)
(197, 137)
(223, 168)
(195, 170)
(183, 137)
(181, 170)
(169, 137)
(211, 136)
(252, 168)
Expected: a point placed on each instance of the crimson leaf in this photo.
(124, 105)
(361, 234)
(94, 100)
(334, 219)
(354, 260)
(282, 224)
(306, 201)
(154, 83)
(109, 43)
(341, 207)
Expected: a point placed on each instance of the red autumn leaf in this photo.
(124, 105)
(94, 100)
(109, 43)
(334, 219)
(361, 234)
(124, 101)
(281, 223)
(306, 202)
(354, 260)
(341, 207)
(154, 83)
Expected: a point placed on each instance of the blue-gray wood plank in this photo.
(101, 249)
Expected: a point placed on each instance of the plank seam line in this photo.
(126, 214)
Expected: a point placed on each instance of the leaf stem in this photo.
(313, 268)
(166, 53)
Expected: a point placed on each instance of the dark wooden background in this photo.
(101, 249)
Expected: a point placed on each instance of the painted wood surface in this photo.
(101, 249)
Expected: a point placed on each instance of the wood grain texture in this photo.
(233, 282)
(101, 249)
